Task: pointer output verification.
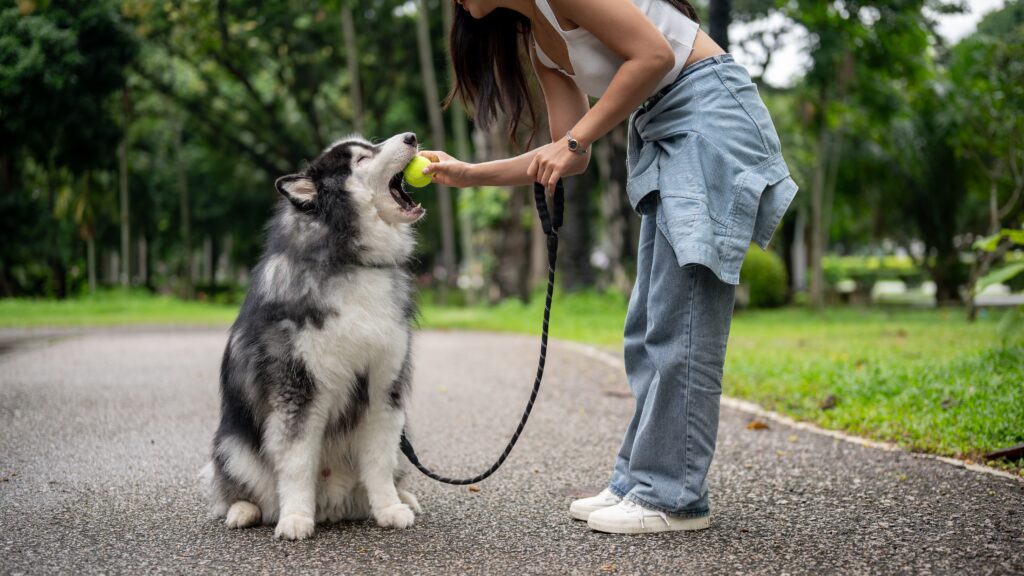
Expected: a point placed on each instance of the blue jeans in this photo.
(675, 336)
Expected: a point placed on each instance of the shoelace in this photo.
(633, 506)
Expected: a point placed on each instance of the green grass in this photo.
(113, 308)
(925, 379)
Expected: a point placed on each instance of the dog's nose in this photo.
(410, 139)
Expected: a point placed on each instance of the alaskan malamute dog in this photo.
(317, 365)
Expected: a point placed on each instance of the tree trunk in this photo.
(215, 247)
(470, 260)
(798, 252)
(126, 237)
(618, 244)
(206, 266)
(143, 260)
(90, 262)
(818, 232)
(719, 18)
(56, 258)
(577, 273)
(444, 198)
(87, 229)
(984, 260)
(835, 157)
(511, 273)
(348, 32)
(187, 275)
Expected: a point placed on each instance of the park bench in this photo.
(895, 292)
(998, 296)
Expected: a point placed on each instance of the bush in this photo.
(764, 274)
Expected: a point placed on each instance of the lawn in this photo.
(925, 379)
(112, 308)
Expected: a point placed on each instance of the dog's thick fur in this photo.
(317, 365)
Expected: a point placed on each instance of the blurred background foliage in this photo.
(139, 140)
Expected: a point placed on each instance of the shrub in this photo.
(764, 274)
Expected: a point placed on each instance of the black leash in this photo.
(550, 223)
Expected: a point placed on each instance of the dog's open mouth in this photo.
(409, 208)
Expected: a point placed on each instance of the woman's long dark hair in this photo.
(487, 58)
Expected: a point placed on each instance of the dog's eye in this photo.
(362, 159)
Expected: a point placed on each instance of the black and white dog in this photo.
(317, 364)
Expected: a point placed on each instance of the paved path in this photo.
(101, 437)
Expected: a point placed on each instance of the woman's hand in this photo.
(554, 161)
(447, 170)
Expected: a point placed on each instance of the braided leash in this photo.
(550, 223)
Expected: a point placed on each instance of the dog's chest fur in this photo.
(366, 328)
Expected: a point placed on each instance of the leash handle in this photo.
(550, 222)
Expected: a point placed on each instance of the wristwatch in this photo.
(574, 144)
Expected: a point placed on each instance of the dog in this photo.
(317, 366)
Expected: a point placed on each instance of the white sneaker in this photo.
(628, 517)
(581, 509)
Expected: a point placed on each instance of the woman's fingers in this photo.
(447, 172)
(435, 155)
(441, 172)
(552, 182)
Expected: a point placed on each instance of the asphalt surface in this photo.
(101, 437)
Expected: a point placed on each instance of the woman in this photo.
(705, 174)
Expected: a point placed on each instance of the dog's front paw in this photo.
(294, 527)
(395, 516)
(242, 514)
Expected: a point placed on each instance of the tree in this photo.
(719, 18)
(60, 63)
(433, 106)
(863, 54)
(989, 77)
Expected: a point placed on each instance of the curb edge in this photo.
(751, 408)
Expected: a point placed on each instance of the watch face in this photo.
(573, 145)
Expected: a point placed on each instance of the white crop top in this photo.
(595, 64)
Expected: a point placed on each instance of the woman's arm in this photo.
(647, 56)
(450, 171)
(621, 26)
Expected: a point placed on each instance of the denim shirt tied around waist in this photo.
(705, 159)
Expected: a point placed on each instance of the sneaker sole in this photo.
(583, 514)
(656, 525)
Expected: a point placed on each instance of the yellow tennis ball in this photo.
(414, 172)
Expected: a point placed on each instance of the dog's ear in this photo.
(301, 190)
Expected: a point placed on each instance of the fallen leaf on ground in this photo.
(618, 393)
(607, 568)
(757, 425)
(474, 488)
(829, 402)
